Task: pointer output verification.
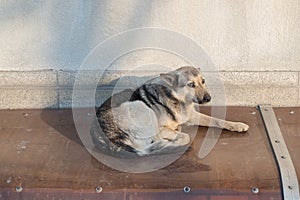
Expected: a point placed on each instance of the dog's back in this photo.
(151, 94)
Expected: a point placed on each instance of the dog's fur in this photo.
(146, 120)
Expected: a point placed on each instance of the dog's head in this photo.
(188, 85)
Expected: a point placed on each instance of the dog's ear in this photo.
(170, 79)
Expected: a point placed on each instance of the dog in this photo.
(146, 120)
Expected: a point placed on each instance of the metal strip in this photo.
(288, 174)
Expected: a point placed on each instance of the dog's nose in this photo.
(206, 98)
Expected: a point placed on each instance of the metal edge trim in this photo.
(288, 176)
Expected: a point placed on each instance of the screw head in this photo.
(186, 189)
(99, 189)
(19, 189)
(255, 190)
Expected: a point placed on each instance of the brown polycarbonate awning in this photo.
(42, 157)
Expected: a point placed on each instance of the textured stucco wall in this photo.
(254, 43)
(237, 35)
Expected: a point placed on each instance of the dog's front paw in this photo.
(239, 127)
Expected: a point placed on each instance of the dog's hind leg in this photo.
(169, 141)
(173, 138)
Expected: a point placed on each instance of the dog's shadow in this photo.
(61, 119)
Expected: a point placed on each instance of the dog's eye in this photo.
(203, 81)
(191, 84)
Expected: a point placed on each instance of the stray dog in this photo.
(146, 120)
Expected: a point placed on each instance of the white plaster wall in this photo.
(250, 35)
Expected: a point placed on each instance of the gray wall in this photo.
(255, 44)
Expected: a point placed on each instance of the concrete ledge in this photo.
(251, 95)
(39, 89)
(66, 101)
(15, 98)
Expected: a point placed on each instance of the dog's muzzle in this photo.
(206, 98)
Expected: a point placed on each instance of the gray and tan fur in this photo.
(146, 120)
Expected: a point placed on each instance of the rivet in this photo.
(290, 187)
(291, 112)
(255, 190)
(19, 189)
(186, 189)
(253, 113)
(99, 189)
(283, 157)
(277, 141)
